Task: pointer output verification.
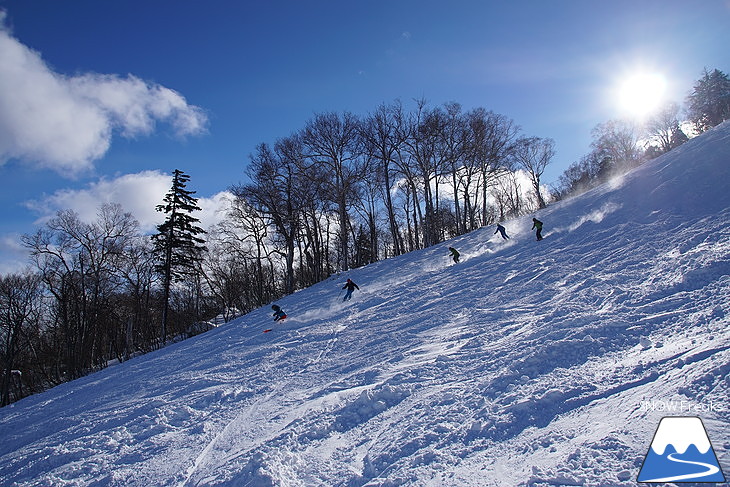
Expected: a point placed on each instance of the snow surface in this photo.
(527, 364)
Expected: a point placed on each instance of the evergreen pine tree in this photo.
(678, 137)
(177, 245)
(709, 102)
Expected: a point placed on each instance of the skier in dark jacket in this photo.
(350, 286)
(501, 231)
(278, 313)
(537, 224)
(455, 254)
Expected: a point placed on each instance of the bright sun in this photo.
(642, 93)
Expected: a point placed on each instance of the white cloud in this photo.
(65, 123)
(214, 209)
(138, 194)
(135, 106)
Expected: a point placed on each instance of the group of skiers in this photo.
(351, 286)
(536, 225)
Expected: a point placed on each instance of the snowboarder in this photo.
(537, 224)
(350, 286)
(455, 254)
(278, 313)
(501, 231)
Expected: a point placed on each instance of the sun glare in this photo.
(642, 93)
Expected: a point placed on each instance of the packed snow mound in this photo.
(527, 364)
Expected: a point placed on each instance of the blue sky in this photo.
(103, 100)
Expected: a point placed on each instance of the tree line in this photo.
(342, 192)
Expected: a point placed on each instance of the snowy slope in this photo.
(529, 363)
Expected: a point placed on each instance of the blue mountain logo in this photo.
(681, 452)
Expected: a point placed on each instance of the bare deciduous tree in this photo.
(533, 154)
(332, 141)
(19, 312)
(383, 135)
(664, 128)
(79, 264)
(618, 145)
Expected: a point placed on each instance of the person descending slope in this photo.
(278, 313)
(502, 231)
(350, 286)
(537, 224)
(455, 254)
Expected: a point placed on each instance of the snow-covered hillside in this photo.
(528, 363)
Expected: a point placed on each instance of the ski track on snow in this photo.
(251, 415)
